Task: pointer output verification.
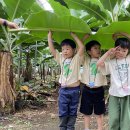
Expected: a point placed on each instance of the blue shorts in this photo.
(92, 101)
(68, 101)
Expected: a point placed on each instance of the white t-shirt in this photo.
(91, 73)
(119, 69)
(70, 69)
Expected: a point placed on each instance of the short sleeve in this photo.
(85, 58)
(79, 58)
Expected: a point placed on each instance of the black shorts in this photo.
(92, 100)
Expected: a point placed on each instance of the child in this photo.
(8, 23)
(69, 92)
(93, 92)
(119, 69)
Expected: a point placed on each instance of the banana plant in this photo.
(107, 17)
(92, 8)
(104, 35)
(67, 16)
(13, 9)
(60, 25)
(104, 10)
(40, 21)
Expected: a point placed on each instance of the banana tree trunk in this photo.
(7, 89)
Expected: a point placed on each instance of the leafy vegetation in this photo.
(28, 44)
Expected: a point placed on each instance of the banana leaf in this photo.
(27, 38)
(40, 23)
(93, 7)
(16, 8)
(110, 4)
(104, 34)
(59, 9)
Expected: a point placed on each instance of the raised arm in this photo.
(8, 23)
(80, 44)
(51, 45)
(101, 61)
(86, 36)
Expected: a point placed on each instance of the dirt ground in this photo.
(45, 118)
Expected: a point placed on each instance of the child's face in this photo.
(95, 51)
(67, 51)
(121, 52)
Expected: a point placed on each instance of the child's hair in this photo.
(123, 43)
(68, 42)
(90, 44)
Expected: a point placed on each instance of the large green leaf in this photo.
(104, 35)
(3, 14)
(115, 7)
(43, 21)
(27, 38)
(58, 8)
(80, 14)
(128, 7)
(16, 8)
(110, 4)
(33, 9)
(93, 7)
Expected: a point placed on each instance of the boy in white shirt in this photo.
(119, 70)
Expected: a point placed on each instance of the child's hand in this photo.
(73, 34)
(112, 51)
(50, 33)
(86, 36)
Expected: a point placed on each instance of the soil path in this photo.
(43, 119)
